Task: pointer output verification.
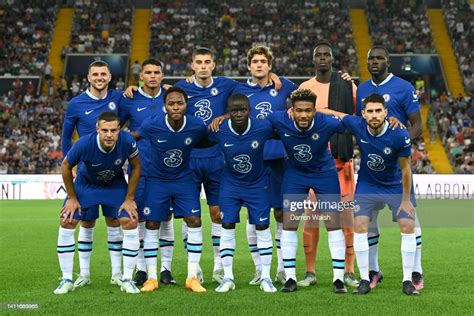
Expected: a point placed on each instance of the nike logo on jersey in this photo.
(96, 165)
(228, 145)
(286, 135)
(249, 95)
(263, 219)
(363, 141)
(194, 211)
(161, 140)
(407, 140)
(89, 112)
(141, 109)
(190, 96)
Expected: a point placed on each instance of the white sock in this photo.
(373, 237)
(289, 246)
(184, 232)
(131, 245)
(265, 249)
(66, 248)
(408, 255)
(337, 247)
(227, 249)
(150, 250)
(252, 239)
(361, 248)
(279, 229)
(417, 267)
(166, 244)
(141, 264)
(84, 247)
(194, 250)
(216, 240)
(115, 240)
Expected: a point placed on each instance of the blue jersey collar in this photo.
(246, 131)
(146, 95)
(385, 128)
(169, 126)
(102, 149)
(390, 76)
(94, 97)
(199, 86)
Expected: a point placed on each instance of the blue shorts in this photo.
(182, 193)
(92, 213)
(208, 171)
(370, 197)
(296, 185)
(256, 197)
(276, 169)
(140, 195)
(93, 194)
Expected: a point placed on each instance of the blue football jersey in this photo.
(266, 100)
(400, 96)
(136, 110)
(207, 103)
(99, 167)
(307, 150)
(171, 150)
(243, 153)
(379, 154)
(82, 113)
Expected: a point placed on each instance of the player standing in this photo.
(146, 102)
(100, 181)
(335, 93)
(172, 137)
(402, 103)
(81, 115)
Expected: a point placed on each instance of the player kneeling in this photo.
(100, 181)
(244, 182)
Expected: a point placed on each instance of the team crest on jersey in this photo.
(118, 161)
(254, 144)
(112, 106)
(315, 136)
(214, 91)
(387, 150)
(386, 97)
(146, 211)
(188, 141)
(273, 93)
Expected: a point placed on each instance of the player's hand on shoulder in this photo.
(166, 86)
(214, 126)
(190, 79)
(274, 79)
(130, 207)
(67, 212)
(290, 113)
(128, 93)
(345, 76)
(394, 123)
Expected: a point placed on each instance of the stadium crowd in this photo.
(459, 17)
(100, 28)
(289, 28)
(408, 31)
(454, 117)
(26, 30)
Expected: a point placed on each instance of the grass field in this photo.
(30, 270)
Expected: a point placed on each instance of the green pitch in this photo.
(30, 270)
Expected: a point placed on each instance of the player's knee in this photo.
(360, 225)
(152, 225)
(193, 221)
(278, 215)
(112, 222)
(261, 227)
(228, 225)
(69, 225)
(127, 223)
(88, 224)
(215, 214)
(407, 226)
